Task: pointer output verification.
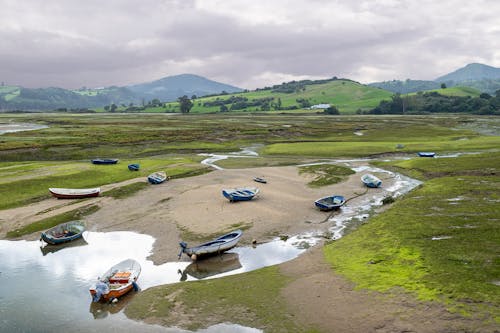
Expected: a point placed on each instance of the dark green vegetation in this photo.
(203, 303)
(326, 174)
(53, 221)
(441, 242)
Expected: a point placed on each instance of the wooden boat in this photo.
(157, 177)
(371, 180)
(134, 167)
(330, 203)
(117, 281)
(74, 193)
(208, 267)
(426, 154)
(64, 232)
(260, 180)
(104, 161)
(240, 194)
(216, 246)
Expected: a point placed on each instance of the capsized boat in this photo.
(104, 161)
(134, 167)
(371, 180)
(64, 232)
(216, 246)
(74, 193)
(426, 154)
(240, 194)
(330, 202)
(117, 281)
(157, 177)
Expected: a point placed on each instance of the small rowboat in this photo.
(426, 154)
(74, 193)
(117, 281)
(134, 167)
(216, 246)
(330, 203)
(240, 194)
(260, 180)
(157, 177)
(371, 181)
(64, 232)
(104, 161)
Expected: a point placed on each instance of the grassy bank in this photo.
(441, 242)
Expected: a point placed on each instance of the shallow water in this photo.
(19, 127)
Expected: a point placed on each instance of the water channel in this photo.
(45, 289)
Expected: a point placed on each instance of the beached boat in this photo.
(104, 161)
(64, 232)
(240, 194)
(371, 180)
(157, 177)
(330, 202)
(216, 246)
(117, 281)
(74, 193)
(134, 167)
(260, 180)
(426, 154)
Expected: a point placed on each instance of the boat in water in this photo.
(240, 194)
(74, 193)
(216, 246)
(157, 177)
(371, 181)
(117, 281)
(64, 232)
(330, 202)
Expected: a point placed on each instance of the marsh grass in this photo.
(53, 221)
(125, 191)
(440, 242)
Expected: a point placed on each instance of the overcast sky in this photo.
(250, 44)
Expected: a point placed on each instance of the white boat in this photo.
(216, 246)
(74, 193)
(117, 281)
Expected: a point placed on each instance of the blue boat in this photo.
(371, 181)
(330, 202)
(134, 167)
(64, 232)
(216, 246)
(240, 194)
(426, 154)
(104, 161)
(157, 177)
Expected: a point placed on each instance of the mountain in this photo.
(478, 76)
(166, 89)
(172, 87)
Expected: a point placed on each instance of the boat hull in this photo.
(330, 203)
(240, 194)
(157, 177)
(68, 193)
(426, 154)
(63, 233)
(104, 161)
(217, 246)
(133, 167)
(119, 280)
(371, 181)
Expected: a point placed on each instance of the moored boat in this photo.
(240, 194)
(74, 193)
(330, 202)
(216, 246)
(157, 177)
(64, 232)
(134, 167)
(117, 281)
(371, 181)
(426, 154)
(104, 161)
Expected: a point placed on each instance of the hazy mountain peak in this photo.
(472, 72)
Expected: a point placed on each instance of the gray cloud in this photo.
(249, 44)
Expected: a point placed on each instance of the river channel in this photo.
(45, 289)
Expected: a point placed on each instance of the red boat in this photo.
(73, 193)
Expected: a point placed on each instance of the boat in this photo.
(240, 194)
(330, 202)
(157, 177)
(74, 193)
(426, 154)
(117, 281)
(134, 167)
(104, 161)
(260, 180)
(212, 266)
(371, 180)
(216, 246)
(64, 232)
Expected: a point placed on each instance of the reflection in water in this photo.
(49, 248)
(19, 127)
(211, 266)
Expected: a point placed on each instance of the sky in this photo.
(249, 44)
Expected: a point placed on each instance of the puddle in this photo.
(440, 237)
(19, 127)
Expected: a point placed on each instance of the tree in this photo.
(113, 107)
(443, 85)
(332, 110)
(185, 104)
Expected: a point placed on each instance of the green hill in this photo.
(457, 91)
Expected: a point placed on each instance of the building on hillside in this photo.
(320, 106)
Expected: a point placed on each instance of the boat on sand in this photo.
(74, 193)
(216, 246)
(330, 202)
(64, 232)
